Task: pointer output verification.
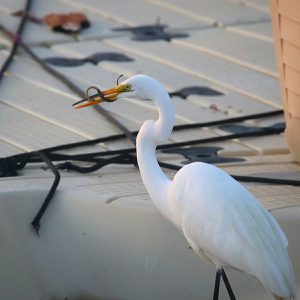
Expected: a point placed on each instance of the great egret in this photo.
(220, 219)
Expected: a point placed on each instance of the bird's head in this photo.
(138, 86)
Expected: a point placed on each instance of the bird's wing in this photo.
(226, 222)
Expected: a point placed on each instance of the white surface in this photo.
(220, 11)
(82, 253)
(129, 13)
(83, 249)
(30, 133)
(245, 51)
(261, 31)
(205, 66)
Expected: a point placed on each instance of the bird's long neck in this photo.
(151, 134)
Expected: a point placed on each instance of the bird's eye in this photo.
(125, 88)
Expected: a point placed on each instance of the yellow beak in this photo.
(110, 95)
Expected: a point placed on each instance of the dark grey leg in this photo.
(217, 284)
(227, 284)
(221, 273)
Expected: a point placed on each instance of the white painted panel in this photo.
(262, 31)
(7, 149)
(260, 5)
(133, 13)
(55, 109)
(231, 103)
(220, 11)
(29, 133)
(243, 50)
(205, 66)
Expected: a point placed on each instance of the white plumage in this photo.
(221, 220)
(226, 226)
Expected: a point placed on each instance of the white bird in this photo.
(223, 222)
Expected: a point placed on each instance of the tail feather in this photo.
(278, 277)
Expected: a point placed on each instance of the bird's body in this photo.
(221, 220)
(227, 227)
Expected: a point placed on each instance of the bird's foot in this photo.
(36, 227)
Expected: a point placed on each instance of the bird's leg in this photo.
(221, 273)
(227, 284)
(217, 284)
